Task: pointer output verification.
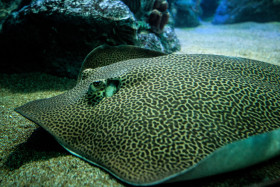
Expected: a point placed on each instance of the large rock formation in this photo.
(208, 8)
(186, 12)
(247, 10)
(6, 7)
(54, 36)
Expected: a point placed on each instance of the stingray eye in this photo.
(97, 84)
(105, 88)
(96, 92)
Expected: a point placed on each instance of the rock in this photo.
(186, 13)
(247, 10)
(54, 36)
(208, 8)
(167, 41)
(154, 15)
(6, 7)
(154, 12)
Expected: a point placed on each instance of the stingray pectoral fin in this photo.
(36, 110)
(105, 55)
(234, 156)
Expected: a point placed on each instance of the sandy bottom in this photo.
(249, 40)
(30, 156)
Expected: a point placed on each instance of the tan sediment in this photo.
(30, 157)
(258, 41)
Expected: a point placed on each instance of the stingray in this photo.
(147, 117)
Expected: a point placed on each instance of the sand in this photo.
(249, 40)
(29, 156)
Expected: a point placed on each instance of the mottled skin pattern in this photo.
(169, 113)
(105, 55)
